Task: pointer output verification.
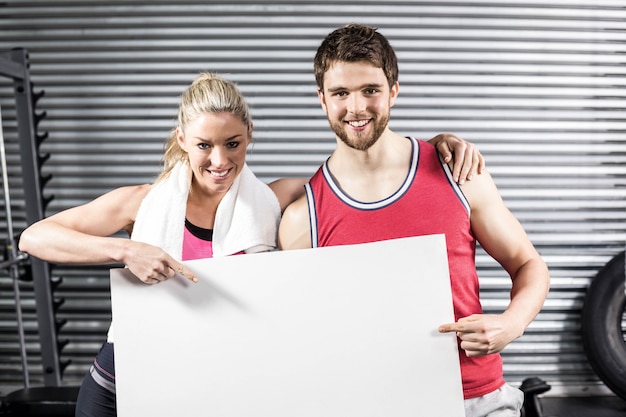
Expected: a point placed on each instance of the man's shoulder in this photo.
(294, 230)
(297, 210)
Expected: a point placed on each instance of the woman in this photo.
(193, 210)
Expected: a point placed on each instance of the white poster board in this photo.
(346, 331)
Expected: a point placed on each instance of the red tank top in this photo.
(428, 202)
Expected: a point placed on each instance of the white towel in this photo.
(246, 220)
(160, 220)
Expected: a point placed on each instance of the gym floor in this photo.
(583, 407)
(609, 406)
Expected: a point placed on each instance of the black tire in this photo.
(601, 323)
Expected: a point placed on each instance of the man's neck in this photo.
(374, 174)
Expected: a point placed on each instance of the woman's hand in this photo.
(467, 162)
(152, 264)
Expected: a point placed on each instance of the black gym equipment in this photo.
(51, 399)
(602, 325)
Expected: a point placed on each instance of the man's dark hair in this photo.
(356, 43)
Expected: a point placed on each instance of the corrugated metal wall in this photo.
(539, 87)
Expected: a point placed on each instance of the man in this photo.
(379, 185)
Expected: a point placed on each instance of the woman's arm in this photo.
(288, 190)
(464, 156)
(83, 235)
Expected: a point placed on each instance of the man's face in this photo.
(357, 101)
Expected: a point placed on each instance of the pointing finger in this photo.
(447, 328)
(182, 270)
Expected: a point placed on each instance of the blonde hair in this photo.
(209, 93)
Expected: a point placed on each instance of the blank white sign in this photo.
(345, 331)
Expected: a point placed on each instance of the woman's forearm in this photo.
(55, 243)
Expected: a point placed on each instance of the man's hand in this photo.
(482, 334)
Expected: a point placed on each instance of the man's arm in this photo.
(294, 231)
(502, 236)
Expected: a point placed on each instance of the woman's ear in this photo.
(180, 138)
(250, 129)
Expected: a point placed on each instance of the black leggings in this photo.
(93, 399)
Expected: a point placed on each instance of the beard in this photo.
(361, 141)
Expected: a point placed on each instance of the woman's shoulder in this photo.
(124, 201)
(129, 193)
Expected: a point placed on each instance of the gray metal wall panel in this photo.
(539, 87)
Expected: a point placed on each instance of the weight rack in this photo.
(15, 65)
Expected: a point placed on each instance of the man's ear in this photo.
(393, 93)
(320, 95)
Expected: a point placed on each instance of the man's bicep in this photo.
(497, 230)
(294, 229)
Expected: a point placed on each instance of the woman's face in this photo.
(216, 144)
